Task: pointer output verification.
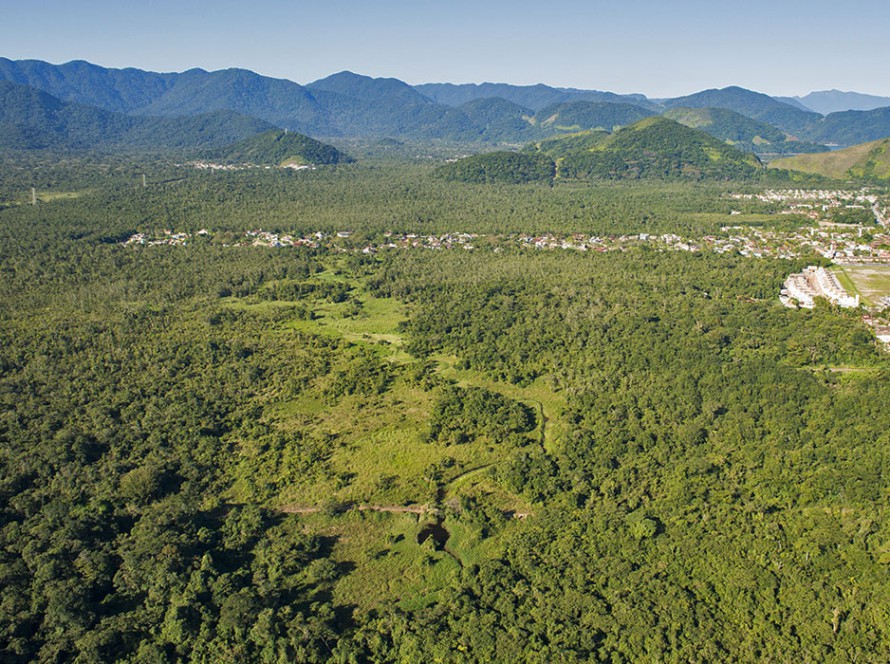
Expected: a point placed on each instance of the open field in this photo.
(872, 282)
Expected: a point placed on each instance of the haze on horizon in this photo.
(655, 48)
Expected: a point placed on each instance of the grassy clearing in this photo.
(539, 396)
(871, 282)
(847, 283)
(51, 196)
(387, 564)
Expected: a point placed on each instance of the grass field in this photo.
(872, 282)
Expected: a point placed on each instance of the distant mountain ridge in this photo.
(355, 106)
(33, 120)
(535, 97)
(834, 101)
(754, 105)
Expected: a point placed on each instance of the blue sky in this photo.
(660, 48)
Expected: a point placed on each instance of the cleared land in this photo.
(872, 282)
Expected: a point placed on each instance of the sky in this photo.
(661, 48)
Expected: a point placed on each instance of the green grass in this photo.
(871, 282)
(538, 396)
(848, 285)
(388, 565)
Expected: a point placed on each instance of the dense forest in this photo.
(224, 453)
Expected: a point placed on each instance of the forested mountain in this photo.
(352, 105)
(582, 115)
(853, 127)
(279, 148)
(869, 161)
(535, 97)
(500, 120)
(32, 120)
(364, 106)
(754, 105)
(740, 131)
(120, 90)
(658, 148)
(277, 101)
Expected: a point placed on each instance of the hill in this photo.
(280, 148)
(853, 127)
(34, 120)
(658, 148)
(277, 101)
(866, 161)
(740, 131)
(499, 167)
(755, 105)
(566, 144)
(497, 119)
(582, 115)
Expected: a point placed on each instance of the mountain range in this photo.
(79, 105)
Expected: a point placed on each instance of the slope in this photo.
(866, 161)
(658, 148)
(853, 127)
(740, 131)
(582, 115)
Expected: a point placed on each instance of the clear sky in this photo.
(658, 47)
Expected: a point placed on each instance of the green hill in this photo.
(280, 148)
(500, 120)
(503, 167)
(870, 161)
(854, 127)
(753, 105)
(566, 144)
(658, 148)
(740, 131)
(581, 115)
